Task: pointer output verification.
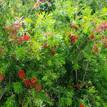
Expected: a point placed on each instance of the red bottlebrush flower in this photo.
(82, 105)
(101, 27)
(27, 83)
(21, 74)
(92, 37)
(38, 87)
(73, 38)
(34, 81)
(1, 77)
(25, 37)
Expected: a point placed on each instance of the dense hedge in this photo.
(53, 53)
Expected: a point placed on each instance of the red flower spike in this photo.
(1, 77)
(27, 83)
(33, 81)
(101, 27)
(82, 105)
(73, 38)
(21, 74)
(25, 37)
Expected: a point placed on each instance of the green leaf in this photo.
(18, 88)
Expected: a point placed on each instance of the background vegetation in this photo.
(53, 53)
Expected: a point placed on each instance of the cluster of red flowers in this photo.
(21, 74)
(25, 37)
(29, 83)
(101, 27)
(73, 38)
(1, 77)
(82, 105)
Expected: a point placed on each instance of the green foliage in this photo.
(17, 86)
(10, 102)
(54, 45)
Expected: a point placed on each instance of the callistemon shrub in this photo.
(55, 57)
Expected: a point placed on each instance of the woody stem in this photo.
(85, 72)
